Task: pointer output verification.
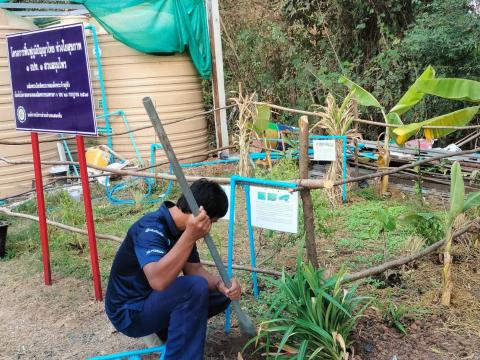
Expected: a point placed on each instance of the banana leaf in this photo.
(362, 96)
(413, 94)
(260, 123)
(457, 118)
(386, 220)
(453, 89)
(472, 200)
(457, 192)
(393, 119)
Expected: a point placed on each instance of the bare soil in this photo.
(426, 339)
(63, 321)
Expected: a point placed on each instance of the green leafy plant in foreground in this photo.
(398, 316)
(312, 316)
(387, 223)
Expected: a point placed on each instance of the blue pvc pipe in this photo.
(344, 160)
(231, 229)
(234, 180)
(213, 162)
(121, 113)
(69, 155)
(326, 137)
(130, 354)
(253, 260)
(93, 29)
(265, 182)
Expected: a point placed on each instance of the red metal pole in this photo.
(92, 242)
(37, 166)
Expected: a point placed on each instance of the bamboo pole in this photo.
(406, 259)
(386, 157)
(166, 123)
(305, 194)
(302, 183)
(59, 225)
(318, 184)
(120, 172)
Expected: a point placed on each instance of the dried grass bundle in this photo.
(246, 113)
(336, 120)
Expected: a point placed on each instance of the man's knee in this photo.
(198, 286)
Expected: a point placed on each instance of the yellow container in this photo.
(96, 157)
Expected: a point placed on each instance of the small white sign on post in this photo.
(274, 209)
(324, 150)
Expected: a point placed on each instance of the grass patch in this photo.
(69, 252)
(350, 233)
(355, 229)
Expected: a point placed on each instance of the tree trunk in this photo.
(305, 194)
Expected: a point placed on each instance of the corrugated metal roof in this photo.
(44, 9)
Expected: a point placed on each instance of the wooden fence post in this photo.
(305, 194)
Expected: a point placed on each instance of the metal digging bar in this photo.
(246, 325)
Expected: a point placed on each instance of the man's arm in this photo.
(215, 283)
(162, 273)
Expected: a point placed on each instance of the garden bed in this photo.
(64, 322)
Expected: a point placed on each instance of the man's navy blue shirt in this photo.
(147, 240)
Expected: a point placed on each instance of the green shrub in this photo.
(282, 170)
(397, 316)
(426, 224)
(311, 316)
(431, 229)
(369, 193)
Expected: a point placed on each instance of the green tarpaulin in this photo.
(157, 26)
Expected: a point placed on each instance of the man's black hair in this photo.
(208, 194)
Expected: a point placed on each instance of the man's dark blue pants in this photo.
(181, 311)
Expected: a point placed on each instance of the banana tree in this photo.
(364, 98)
(458, 205)
(447, 88)
(427, 83)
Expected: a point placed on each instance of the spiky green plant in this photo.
(312, 316)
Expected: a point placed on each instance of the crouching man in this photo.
(145, 293)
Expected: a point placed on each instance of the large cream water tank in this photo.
(174, 86)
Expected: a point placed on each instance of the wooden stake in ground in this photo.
(386, 160)
(305, 194)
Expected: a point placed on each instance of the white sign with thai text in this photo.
(324, 150)
(274, 209)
